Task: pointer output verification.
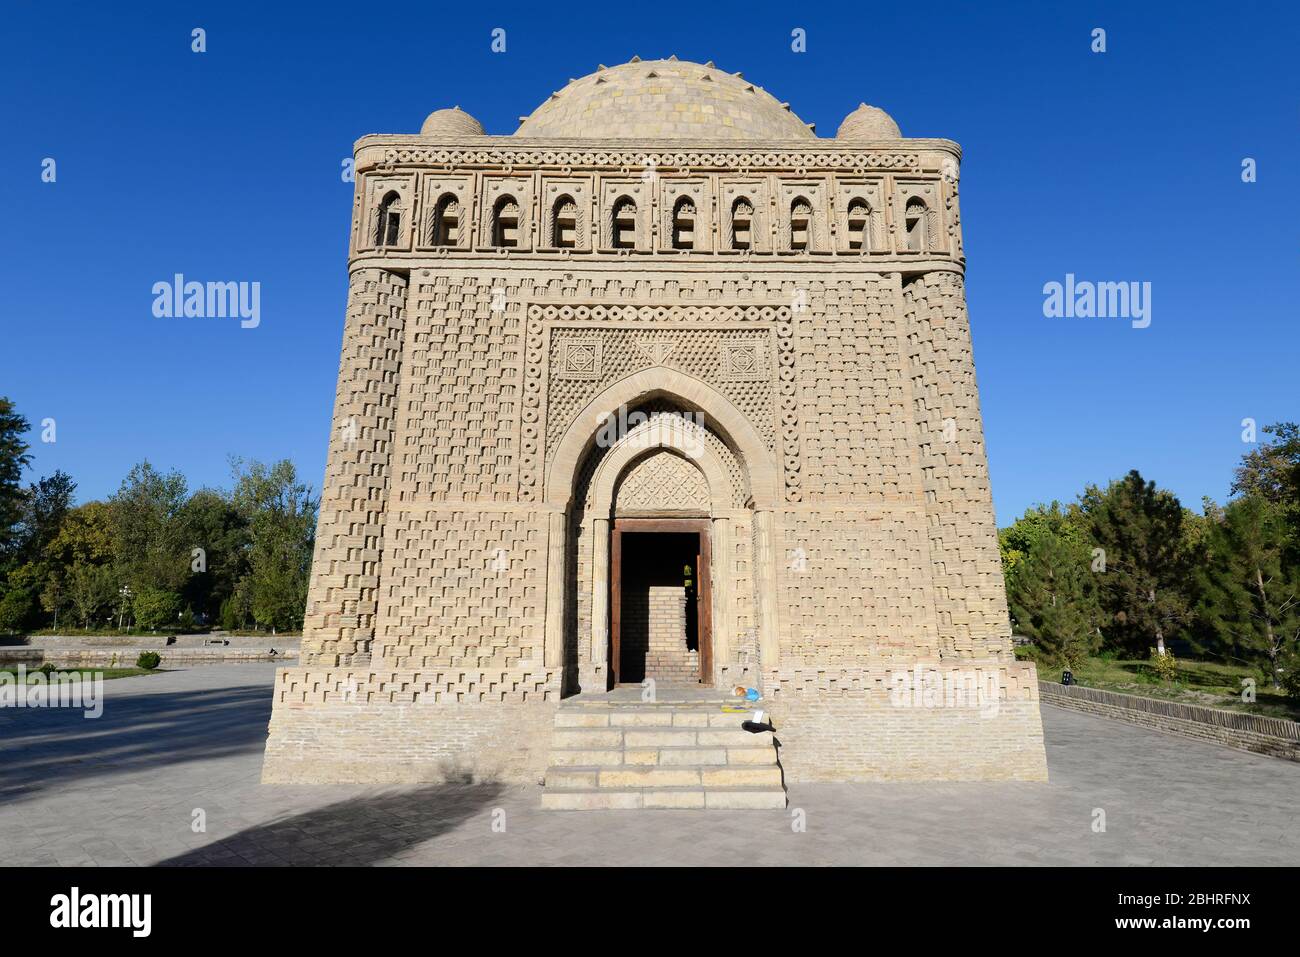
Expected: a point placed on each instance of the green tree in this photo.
(54, 596)
(91, 590)
(1052, 593)
(46, 504)
(14, 458)
(19, 605)
(1250, 587)
(1017, 540)
(1144, 587)
(1272, 471)
(85, 536)
(281, 515)
(155, 608)
(149, 547)
(211, 522)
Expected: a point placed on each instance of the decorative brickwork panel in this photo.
(342, 597)
(710, 343)
(463, 589)
(663, 481)
(854, 585)
(970, 595)
(459, 423)
(854, 419)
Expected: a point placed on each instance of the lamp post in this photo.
(125, 594)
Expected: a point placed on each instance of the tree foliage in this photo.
(14, 457)
(154, 554)
(1052, 593)
(1225, 583)
(1249, 589)
(1139, 529)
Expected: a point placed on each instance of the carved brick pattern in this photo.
(482, 609)
(461, 388)
(789, 405)
(797, 161)
(743, 361)
(429, 686)
(342, 597)
(663, 480)
(739, 492)
(970, 598)
(671, 336)
(856, 425)
(853, 586)
(577, 359)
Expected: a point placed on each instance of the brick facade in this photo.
(777, 324)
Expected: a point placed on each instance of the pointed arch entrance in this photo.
(587, 485)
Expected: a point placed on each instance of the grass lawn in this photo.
(1211, 683)
(108, 673)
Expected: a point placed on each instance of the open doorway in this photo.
(660, 601)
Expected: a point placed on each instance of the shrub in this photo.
(1165, 666)
(1289, 675)
(148, 660)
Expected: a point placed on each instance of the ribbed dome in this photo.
(664, 99)
(868, 123)
(453, 122)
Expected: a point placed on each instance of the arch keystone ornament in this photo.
(661, 385)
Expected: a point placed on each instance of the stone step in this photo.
(661, 737)
(681, 798)
(705, 706)
(651, 718)
(749, 755)
(622, 777)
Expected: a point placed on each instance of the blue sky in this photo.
(1122, 166)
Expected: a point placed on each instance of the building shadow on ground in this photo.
(54, 747)
(355, 832)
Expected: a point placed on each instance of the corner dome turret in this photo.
(452, 122)
(868, 123)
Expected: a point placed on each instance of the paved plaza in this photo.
(124, 789)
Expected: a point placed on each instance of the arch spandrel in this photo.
(692, 394)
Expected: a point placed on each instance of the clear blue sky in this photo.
(225, 165)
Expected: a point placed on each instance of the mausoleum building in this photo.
(661, 395)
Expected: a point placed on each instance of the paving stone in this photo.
(1168, 801)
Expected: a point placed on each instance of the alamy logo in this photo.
(74, 909)
(21, 689)
(1084, 299)
(960, 688)
(642, 431)
(211, 300)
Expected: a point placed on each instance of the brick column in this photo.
(599, 591)
(970, 596)
(721, 586)
(553, 637)
(769, 643)
(342, 599)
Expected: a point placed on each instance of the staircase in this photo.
(613, 750)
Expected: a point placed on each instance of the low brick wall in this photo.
(76, 651)
(852, 724)
(1276, 737)
(355, 725)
